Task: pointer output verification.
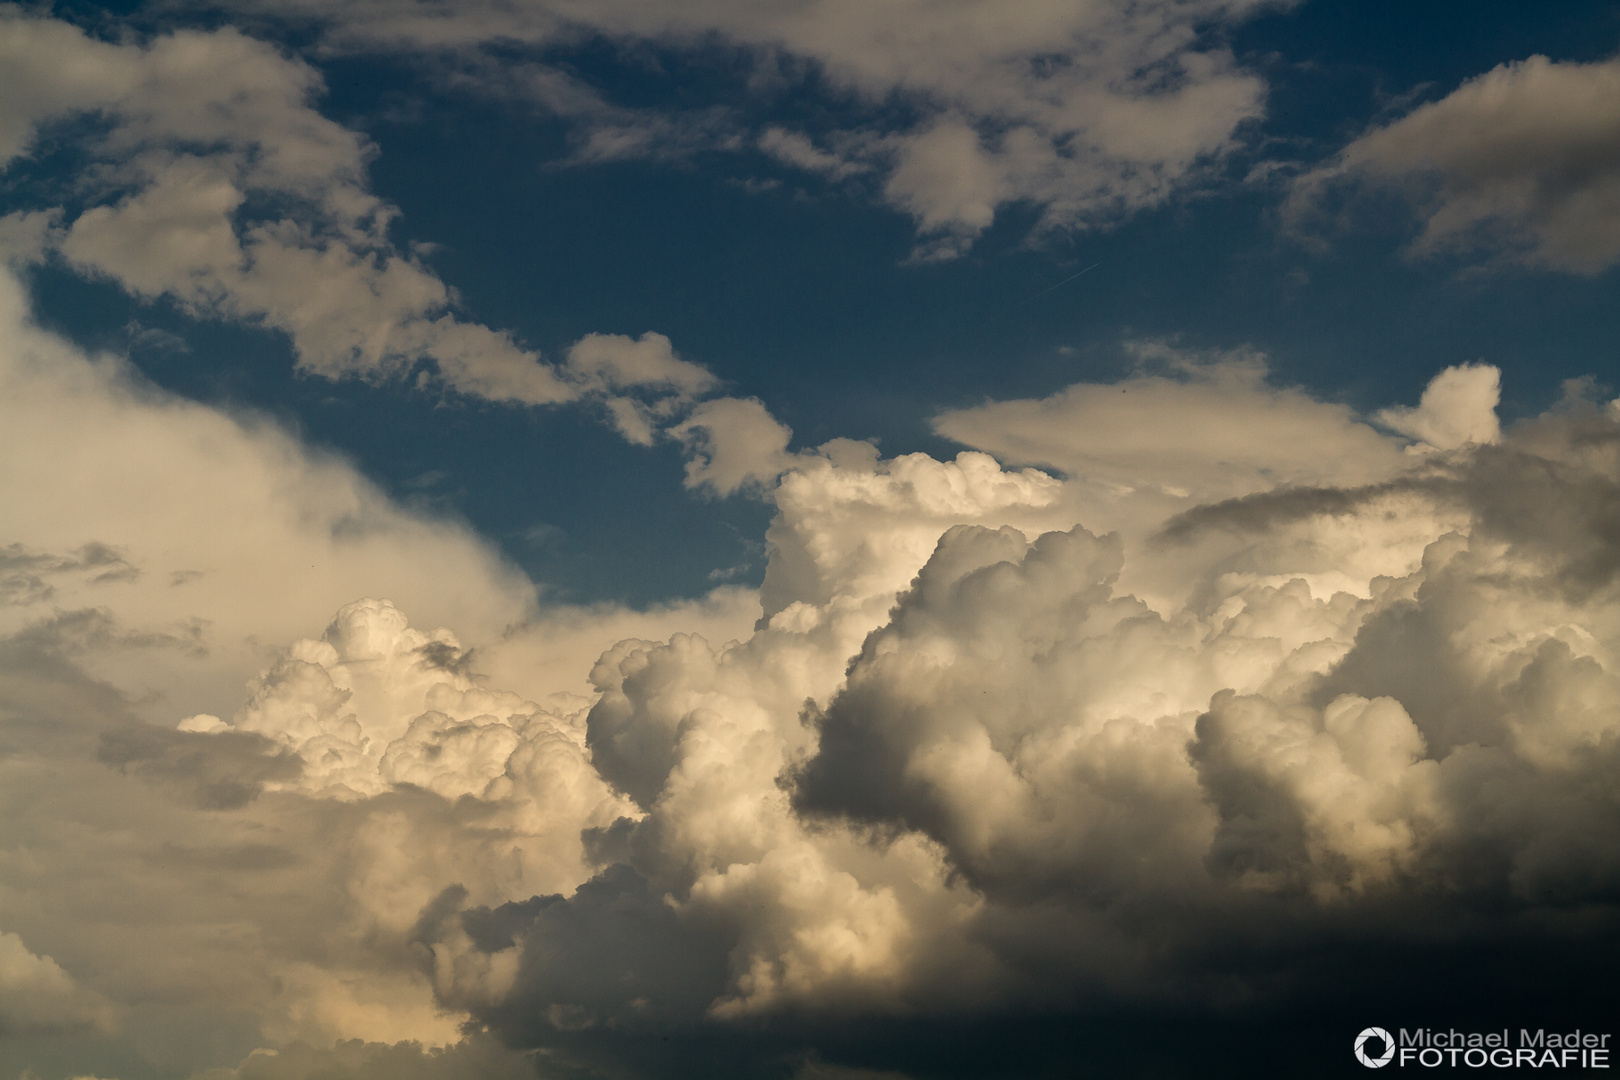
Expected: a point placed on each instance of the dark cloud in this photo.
(614, 957)
(1520, 162)
(24, 571)
(1287, 505)
(355, 1059)
(220, 772)
(84, 629)
(1553, 492)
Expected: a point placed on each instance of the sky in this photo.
(817, 540)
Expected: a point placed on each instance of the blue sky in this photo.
(815, 540)
(801, 294)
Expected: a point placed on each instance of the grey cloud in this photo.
(217, 772)
(1286, 505)
(356, 1059)
(234, 858)
(949, 724)
(1520, 162)
(614, 956)
(1556, 494)
(23, 571)
(37, 995)
(633, 746)
(98, 628)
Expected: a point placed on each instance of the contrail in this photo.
(1059, 285)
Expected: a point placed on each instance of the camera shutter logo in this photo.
(1361, 1048)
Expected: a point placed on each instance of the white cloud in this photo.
(242, 537)
(373, 704)
(1200, 427)
(734, 443)
(1457, 408)
(1087, 110)
(199, 123)
(1519, 160)
(608, 365)
(617, 362)
(211, 877)
(997, 739)
(1066, 747)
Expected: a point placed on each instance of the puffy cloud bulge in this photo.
(1186, 696)
(1107, 735)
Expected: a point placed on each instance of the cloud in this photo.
(1519, 162)
(354, 1059)
(1458, 407)
(23, 572)
(373, 704)
(247, 204)
(1194, 426)
(617, 362)
(1182, 731)
(1193, 434)
(608, 365)
(198, 130)
(251, 882)
(215, 885)
(798, 150)
(1069, 796)
(36, 993)
(1087, 111)
(269, 537)
(734, 443)
(119, 870)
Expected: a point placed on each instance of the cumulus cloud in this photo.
(232, 538)
(1186, 434)
(374, 704)
(1088, 111)
(270, 879)
(213, 870)
(1060, 792)
(1187, 724)
(1519, 161)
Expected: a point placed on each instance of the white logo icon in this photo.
(1361, 1048)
